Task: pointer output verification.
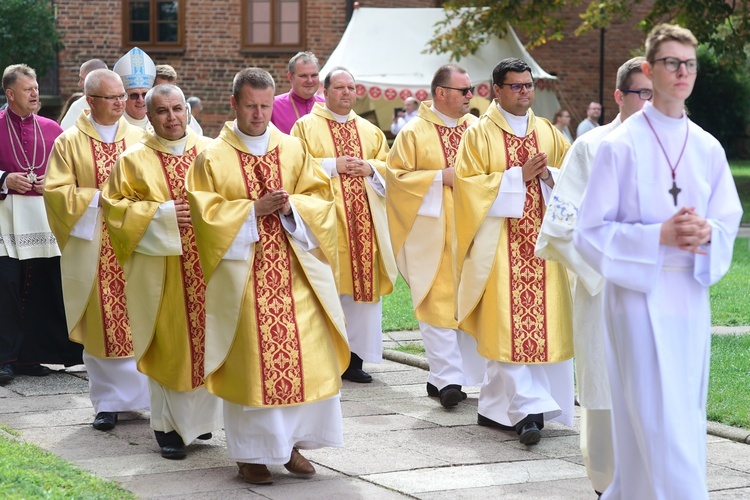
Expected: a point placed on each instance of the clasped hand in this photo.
(353, 166)
(536, 166)
(273, 201)
(686, 230)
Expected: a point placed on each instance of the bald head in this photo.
(87, 68)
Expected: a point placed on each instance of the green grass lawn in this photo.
(28, 472)
(741, 173)
(398, 312)
(729, 380)
(729, 304)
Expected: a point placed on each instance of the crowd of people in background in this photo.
(233, 283)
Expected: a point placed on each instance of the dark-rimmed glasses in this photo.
(135, 95)
(673, 64)
(643, 94)
(464, 91)
(111, 98)
(516, 87)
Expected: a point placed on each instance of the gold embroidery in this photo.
(358, 217)
(116, 325)
(193, 283)
(275, 314)
(527, 272)
(449, 139)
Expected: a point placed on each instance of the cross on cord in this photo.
(674, 192)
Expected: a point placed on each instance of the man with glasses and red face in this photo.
(658, 222)
(516, 305)
(419, 203)
(593, 112)
(93, 282)
(555, 243)
(32, 316)
(138, 73)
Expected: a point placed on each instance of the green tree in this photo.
(724, 25)
(28, 34)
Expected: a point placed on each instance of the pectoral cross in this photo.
(674, 192)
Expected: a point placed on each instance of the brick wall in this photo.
(575, 61)
(213, 54)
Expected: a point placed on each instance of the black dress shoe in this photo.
(173, 452)
(487, 422)
(34, 370)
(206, 436)
(451, 395)
(357, 375)
(171, 444)
(105, 420)
(530, 434)
(432, 391)
(6, 373)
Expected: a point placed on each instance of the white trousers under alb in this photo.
(452, 356)
(267, 435)
(363, 328)
(189, 413)
(512, 391)
(115, 384)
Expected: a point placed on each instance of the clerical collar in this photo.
(663, 120)
(519, 124)
(301, 99)
(142, 123)
(256, 144)
(447, 120)
(16, 117)
(177, 147)
(106, 132)
(339, 118)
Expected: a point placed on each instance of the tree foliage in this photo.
(724, 25)
(28, 34)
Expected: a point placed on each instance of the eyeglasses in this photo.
(112, 98)
(516, 87)
(643, 94)
(135, 95)
(673, 64)
(464, 91)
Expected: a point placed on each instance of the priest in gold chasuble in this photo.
(93, 283)
(275, 336)
(419, 202)
(516, 305)
(145, 207)
(352, 151)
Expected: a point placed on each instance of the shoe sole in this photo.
(174, 456)
(301, 474)
(103, 427)
(531, 437)
(264, 481)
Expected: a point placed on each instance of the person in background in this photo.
(561, 121)
(401, 118)
(593, 112)
(303, 75)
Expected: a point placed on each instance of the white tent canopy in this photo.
(383, 49)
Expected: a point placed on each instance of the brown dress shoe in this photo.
(255, 473)
(299, 465)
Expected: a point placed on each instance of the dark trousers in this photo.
(32, 314)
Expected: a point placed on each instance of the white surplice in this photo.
(657, 311)
(555, 242)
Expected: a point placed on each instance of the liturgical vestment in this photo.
(515, 304)
(165, 287)
(275, 335)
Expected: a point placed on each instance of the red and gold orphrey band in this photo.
(449, 139)
(275, 313)
(117, 340)
(193, 282)
(527, 271)
(357, 208)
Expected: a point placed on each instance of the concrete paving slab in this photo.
(564, 489)
(729, 454)
(75, 442)
(337, 489)
(376, 424)
(734, 494)
(476, 476)
(386, 366)
(205, 457)
(75, 416)
(54, 383)
(370, 392)
(20, 404)
(396, 378)
(429, 409)
(722, 478)
(360, 409)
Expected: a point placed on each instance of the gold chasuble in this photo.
(275, 332)
(93, 282)
(516, 305)
(166, 290)
(367, 269)
(422, 244)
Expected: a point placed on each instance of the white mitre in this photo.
(136, 69)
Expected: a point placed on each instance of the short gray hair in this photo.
(193, 101)
(162, 89)
(95, 79)
(12, 72)
(305, 57)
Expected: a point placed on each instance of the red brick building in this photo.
(207, 42)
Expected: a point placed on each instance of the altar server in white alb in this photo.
(658, 221)
(555, 242)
